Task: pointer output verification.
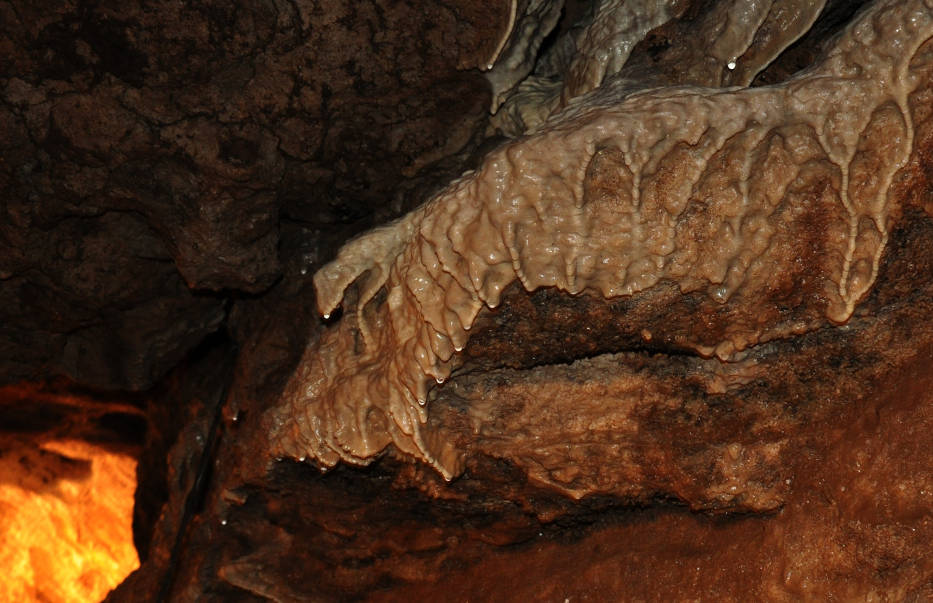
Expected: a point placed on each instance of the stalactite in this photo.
(745, 194)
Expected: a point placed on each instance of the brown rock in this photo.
(152, 151)
(174, 170)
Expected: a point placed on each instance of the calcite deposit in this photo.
(775, 202)
(727, 45)
(645, 314)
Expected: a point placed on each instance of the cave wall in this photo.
(175, 174)
(153, 153)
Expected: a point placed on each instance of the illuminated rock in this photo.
(774, 201)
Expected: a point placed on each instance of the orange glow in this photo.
(66, 512)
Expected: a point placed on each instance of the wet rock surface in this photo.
(760, 213)
(801, 471)
(174, 174)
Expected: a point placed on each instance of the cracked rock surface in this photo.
(593, 435)
(152, 152)
(668, 317)
(769, 207)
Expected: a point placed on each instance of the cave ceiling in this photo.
(515, 300)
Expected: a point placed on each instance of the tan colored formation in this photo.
(580, 61)
(686, 185)
(729, 46)
(514, 56)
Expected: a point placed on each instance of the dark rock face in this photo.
(174, 173)
(152, 152)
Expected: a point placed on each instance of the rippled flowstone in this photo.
(670, 341)
(769, 207)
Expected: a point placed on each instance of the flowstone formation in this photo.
(773, 202)
(728, 45)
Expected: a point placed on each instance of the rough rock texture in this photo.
(170, 141)
(629, 46)
(597, 46)
(600, 447)
(67, 476)
(602, 454)
(818, 441)
(771, 207)
(530, 22)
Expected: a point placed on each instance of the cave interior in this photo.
(208, 394)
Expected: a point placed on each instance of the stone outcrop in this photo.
(153, 153)
(770, 207)
(667, 309)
